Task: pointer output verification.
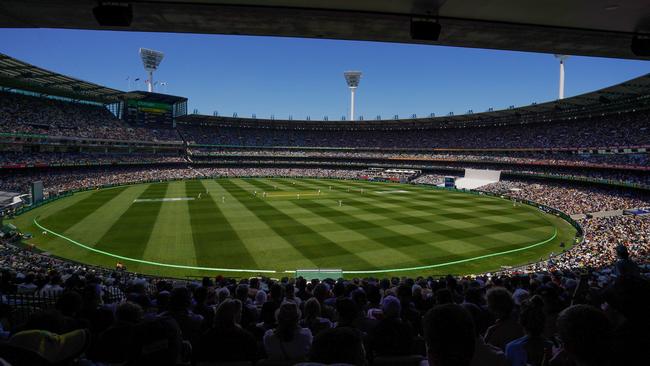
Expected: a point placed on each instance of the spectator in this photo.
(179, 310)
(392, 336)
(312, 318)
(624, 265)
(586, 337)
(338, 345)
(531, 349)
(115, 343)
(506, 327)
(484, 354)
(449, 335)
(289, 341)
(227, 341)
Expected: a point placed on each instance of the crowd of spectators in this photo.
(63, 180)
(9, 159)
(559, 318)
(614, 176)
(433, 179)
(571, 199)
(633, 160)
(603, 237)
(21, 113)
(559, 167)
(283, 172)
(44, 116)
(14, 158)
(624, 130)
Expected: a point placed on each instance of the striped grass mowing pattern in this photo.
(227, 225)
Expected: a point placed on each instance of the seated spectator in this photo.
(409, 313)
(392, 336)
(227, 341)
(289, 341)
(69, 304)
(348, 313)
(114, 344)
(484, 354)
(531, 349)
(626, 303)
(624, 265)
(179, 310)
(506, 327)
(269, 308)
(157, 342)
(53, 288)
(338, 345)
(249, 310)
(586, 336)
(322, 293)
(202, 307)
(449, 335)
(312, 318)
(28, 286)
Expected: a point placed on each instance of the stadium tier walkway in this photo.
(599, 214)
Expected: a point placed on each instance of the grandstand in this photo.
(170, 238)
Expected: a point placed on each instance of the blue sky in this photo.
(303, 77)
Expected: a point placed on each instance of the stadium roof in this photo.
(633, 92)
(21, 75)
(576, 27)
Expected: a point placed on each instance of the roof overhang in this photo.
(21, 75)
(576, 27)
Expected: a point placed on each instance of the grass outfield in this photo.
(351, 225)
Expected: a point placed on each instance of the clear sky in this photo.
(304, 77)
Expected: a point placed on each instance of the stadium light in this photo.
(562, 58)
(150, 60)
(352, 78)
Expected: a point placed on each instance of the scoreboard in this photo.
(153, 109)
(149, 113)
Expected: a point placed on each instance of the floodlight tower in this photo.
(150, 60)
(352, 78)
(562, 58)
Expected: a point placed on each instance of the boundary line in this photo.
(149, 262)
(460, 260)
(406, 269)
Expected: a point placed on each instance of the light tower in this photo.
(150, 60)
(561, 58)
(352, 78)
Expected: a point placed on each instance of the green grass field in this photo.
(387, 226)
